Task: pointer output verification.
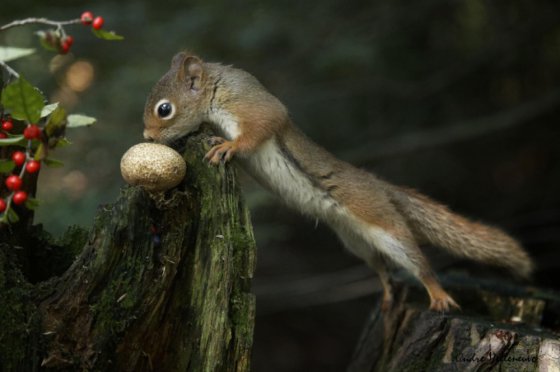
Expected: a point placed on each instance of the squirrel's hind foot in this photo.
(443, 304)
(439, 299)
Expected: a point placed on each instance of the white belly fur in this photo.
(271, 167)
(281, 176)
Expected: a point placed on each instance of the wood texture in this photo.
(501, 328)
(162, 284)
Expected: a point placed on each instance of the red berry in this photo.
(64, 48)
(69, 40)
(98, 23)
(33, 166)
(19, 197)
(65, 44)
(18, 158)
(3, 135)
(86, 18)
(13, 182)
(2, 205)
(31, 132)
(7, 125)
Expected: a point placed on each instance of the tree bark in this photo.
(500, 328)
(162, 284)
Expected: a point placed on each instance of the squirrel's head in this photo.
(177, 104)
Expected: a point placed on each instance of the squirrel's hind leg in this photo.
(376, 245)
(378, 263)
(403, 250)
(440, 300)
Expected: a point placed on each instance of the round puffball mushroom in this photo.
(153, 166)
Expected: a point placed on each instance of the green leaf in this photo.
(6, 166)
(106, 35)
(32, 203)
(39, 152)
(48, 109)
(53, 163)
(63, 142)
(45, 43)
(58, 142)
(50, 39)
(23, 100)
(12, 216)
(75, 121)
(13, 140)
(11, 53)
(56, 120)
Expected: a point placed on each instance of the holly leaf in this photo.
(10, 53)
(40, 152)
(13, 140)
(63, 142)
(23, 100)
(56, 120)
(6, 166)
(32, 203)
(58, 142)
(11, 216)
(53, 163)
(107, 35)
(76, 120)
(48, 109)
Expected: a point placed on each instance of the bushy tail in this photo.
(436, 224)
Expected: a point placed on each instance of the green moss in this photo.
(244, 251)
(242, 315)
(115, 305)
(40, 256)
(51, 257)
(19, 319)
(73, 240)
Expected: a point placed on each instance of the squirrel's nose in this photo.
(147, 136)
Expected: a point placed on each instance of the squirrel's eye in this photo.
(165, 109)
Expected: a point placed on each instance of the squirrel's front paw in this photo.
(222, 152)
(213, 141)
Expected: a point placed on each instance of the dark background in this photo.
(457, 99)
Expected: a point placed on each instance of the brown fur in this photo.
(434, 223)
(212, 92)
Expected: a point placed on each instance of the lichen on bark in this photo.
(157, 286)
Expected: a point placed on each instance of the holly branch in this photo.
(27, 121)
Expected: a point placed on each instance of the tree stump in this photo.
(160, 285)
(500, 328)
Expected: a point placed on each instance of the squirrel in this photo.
(381, 223)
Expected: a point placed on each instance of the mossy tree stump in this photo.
(159, 285)
(500, 328)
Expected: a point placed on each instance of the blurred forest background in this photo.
(458, 99)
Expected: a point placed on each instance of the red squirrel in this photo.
(378, 222)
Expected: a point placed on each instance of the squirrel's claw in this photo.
(443, 304)
(213, 141)
(221, 152)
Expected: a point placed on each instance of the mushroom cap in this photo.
(153, 166)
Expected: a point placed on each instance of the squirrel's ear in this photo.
(189, 69)
(177, 60)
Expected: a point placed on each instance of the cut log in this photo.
(162, 284)
(501, 328)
